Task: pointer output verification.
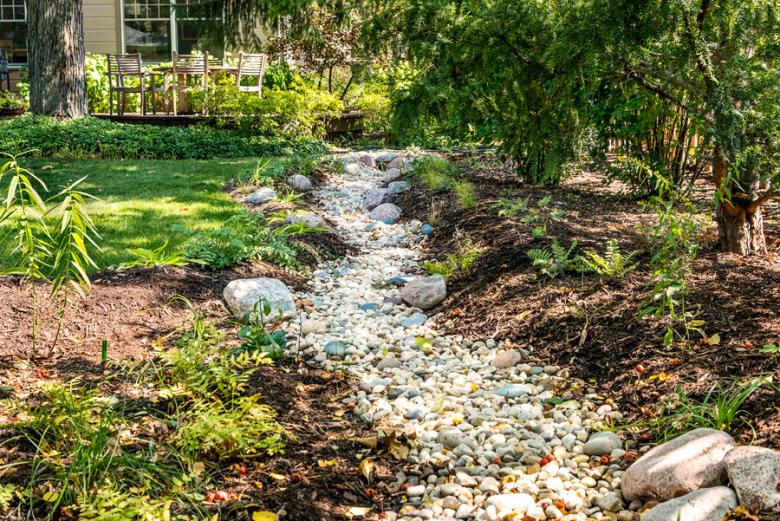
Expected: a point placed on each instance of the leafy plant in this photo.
(243, 428)
(248, 237)
(613, 264)
(153, 258)
(676, 245)
(455, 263)
(52, 239)
(509, 208)
(12, 101)
(255, 335)
(720, 408)
(771, 348)
(553, 261)
(540, 215)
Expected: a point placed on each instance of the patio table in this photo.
(168, 69)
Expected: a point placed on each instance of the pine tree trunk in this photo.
(742, 233)
(740, 225)
(56, 58)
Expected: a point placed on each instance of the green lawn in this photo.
(141, 203)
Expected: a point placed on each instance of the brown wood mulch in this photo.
(593, 326)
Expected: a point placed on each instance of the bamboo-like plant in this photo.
(53, 238)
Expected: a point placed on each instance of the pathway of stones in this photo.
(491, 437)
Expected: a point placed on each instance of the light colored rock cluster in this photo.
(687, 475)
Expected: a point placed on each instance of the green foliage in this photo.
(455, 264)
(434, 172)
(257, 338)
(465, 192)
(298, 112)
(52, 239)
(771, 348)
(7, 494)
(541, 216)
(675, 245)
(100, 456)
(243, 428)
(94, 138)
(96, 71)
(12, 101)
(555, 260)
(248, 237)
(80, 453)
(155, 257)
(720, 408)
(613, 264)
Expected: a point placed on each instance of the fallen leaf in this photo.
(357, 511)
(325, 463)
(369, 441)
(366, 468)
(714, 340)
(277, 477)
(398, 450)
(263, 515)
(521, 316)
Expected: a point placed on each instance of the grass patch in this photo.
(142, 203)
(437, 173)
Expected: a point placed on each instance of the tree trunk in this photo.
(56, 58)
(740, 224)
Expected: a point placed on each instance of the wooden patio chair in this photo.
(190, 74)
(122, 67)
(4, 73)
(251, 65)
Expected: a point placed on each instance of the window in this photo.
(156, 28)
(13, 29)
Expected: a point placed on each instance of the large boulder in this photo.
(388, 213)
(391, 175)
(299, 182)
(707, 504)
(376, 196)
(367, 160)
(262, 195)
(396, 187)
(424, 292)
(755, 474)
(241, 296)
(682, 465)
(312, 220)
(397, 162)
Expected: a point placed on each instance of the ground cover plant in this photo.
(93, 138)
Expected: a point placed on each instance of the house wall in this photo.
(102, 26)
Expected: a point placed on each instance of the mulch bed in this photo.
(592, 326)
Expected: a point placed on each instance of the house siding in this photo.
(101, 26)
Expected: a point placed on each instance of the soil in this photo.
(593, 326)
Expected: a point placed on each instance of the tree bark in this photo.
(740, 224)
(56, 58)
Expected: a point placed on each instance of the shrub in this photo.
(94, 138)
(96, 69)
(12, 101)
(298, 113)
